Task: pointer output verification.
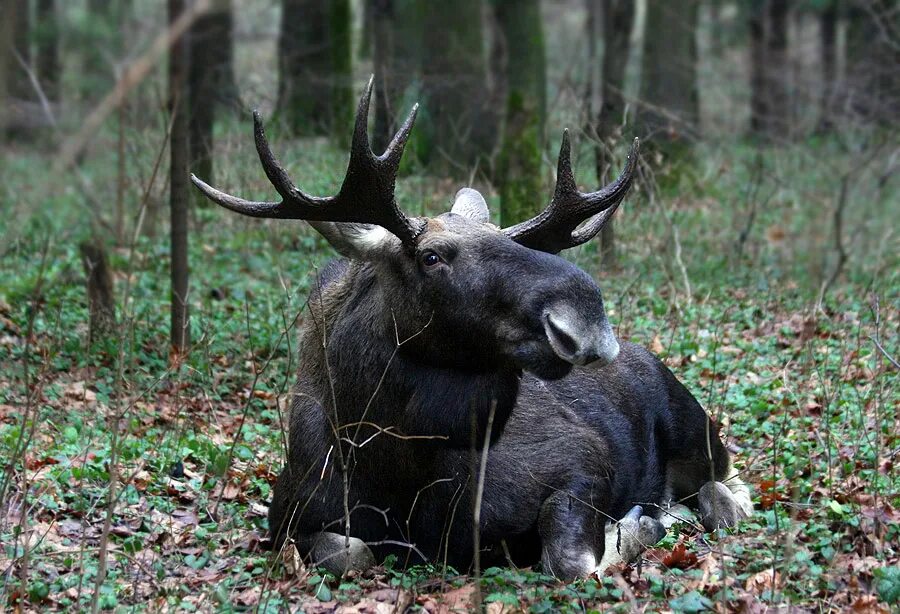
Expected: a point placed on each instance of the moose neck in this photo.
(378, 382)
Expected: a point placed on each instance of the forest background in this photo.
(147, 339)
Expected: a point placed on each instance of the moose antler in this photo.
(366, 195)
(556, 227)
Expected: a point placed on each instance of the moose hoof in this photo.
(332, 552)
(627, 539)
(719, 508)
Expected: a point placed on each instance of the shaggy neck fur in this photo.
(383, 386)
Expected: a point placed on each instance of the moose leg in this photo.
(570, 536)
(699, 470)
(575, 544)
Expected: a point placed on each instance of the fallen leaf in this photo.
(765, 580)
(868, 604)
(680, 557)
(293, 563)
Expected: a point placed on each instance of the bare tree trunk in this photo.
(872, 86)
(779, 120)
(617, 17)
(6, 59)
(828, 19)
(526, 108)
(670, 106)
(366, 42)
(221, 55)
(315, 93)
(179, 67)
(18, 84)
(201, 96)
(381, 13)
(454, 79)
(769, 108)
(98, 53)
(47, 60)
(100, 291)
(397, 55)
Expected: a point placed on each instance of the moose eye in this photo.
(430, 259)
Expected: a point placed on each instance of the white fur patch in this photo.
(740, 490)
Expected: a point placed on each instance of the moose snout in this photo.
(577, 340)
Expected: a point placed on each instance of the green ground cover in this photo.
(808, 402)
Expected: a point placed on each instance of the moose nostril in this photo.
(560, 338)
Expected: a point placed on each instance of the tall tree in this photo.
(47, 43)
(526, 107)
(769, 108)
(315, 90)
(179, 68)
(872, 83)
(380, 13)
(669, 102)
(454, 80)
(397, 42)
(616, 18)
(101, 45)
(7, 7)
(828, 27)
(211, 84)
(18, 84)
(220, 55)
(201, 95)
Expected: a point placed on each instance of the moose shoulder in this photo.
(434, 336)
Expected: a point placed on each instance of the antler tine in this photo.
(556, 227)
(366, 195)
(275, 172)
(359, 145)
(394, 150)
(238, 205)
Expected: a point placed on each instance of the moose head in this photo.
(463, 292)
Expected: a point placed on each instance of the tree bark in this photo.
(102, 44)
(220, 20)
(526, 106)
(179, 68)
(397, 40)
(669, 107)
(18, 85)
(769, 101)
(871, 92)
(201, 96)
(100, 291)
(6, 60)
(617, 17)
(454, 81)
(381, 13)
(315, 92)
(47, 60)
(828, 21)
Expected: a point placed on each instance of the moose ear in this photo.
(355, 241)
(470, 203)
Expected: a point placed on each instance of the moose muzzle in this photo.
(577, 340)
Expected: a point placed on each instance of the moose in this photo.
(461, 391)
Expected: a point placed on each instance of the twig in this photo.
(884, 353)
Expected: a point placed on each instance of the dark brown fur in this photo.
(572, 447)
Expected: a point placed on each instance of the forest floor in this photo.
(161, 470)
